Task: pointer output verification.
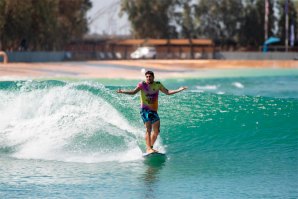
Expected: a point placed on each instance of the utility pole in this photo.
(287, 25)
(266, 19)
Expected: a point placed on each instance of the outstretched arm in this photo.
(171, 92)
(129, 92)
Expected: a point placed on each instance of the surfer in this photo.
(149, 105)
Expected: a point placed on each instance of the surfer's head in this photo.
(149, 72)
(149, 77)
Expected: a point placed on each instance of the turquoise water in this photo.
(225, 137)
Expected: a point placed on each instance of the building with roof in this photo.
(122, 48)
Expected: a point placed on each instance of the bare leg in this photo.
(154, 135)
(148, 126)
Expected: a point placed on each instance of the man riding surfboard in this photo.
(149, 105)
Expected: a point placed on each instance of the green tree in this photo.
(17, 16)
(149, 19)
(44, 34)
(72, 18)
(293, 20)
(220, 19)
(251, 33)
(42, 25)
(186, 19)
(253, 30)
(271, 19)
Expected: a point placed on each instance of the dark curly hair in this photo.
(149, 72)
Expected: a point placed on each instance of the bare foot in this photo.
(156, 151)
(151, 150)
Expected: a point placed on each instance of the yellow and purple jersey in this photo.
(149, 95)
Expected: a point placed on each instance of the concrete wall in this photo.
(63, 56)
(35, 56)
(256, 55)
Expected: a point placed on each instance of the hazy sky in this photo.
(104, 18)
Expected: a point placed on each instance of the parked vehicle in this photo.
(144, 53)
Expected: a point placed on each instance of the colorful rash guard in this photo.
(149, 95)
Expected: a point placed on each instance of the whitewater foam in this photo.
(65, 123)
(238, 85)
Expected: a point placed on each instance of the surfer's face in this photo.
(149, 79)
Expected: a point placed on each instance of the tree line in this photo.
(51, 24)
(41, 24)
(239, 22)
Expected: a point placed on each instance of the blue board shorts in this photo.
(149, 116)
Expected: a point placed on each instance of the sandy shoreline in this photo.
(131, 69)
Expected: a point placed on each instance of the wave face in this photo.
(55, 120)
(86, 121)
